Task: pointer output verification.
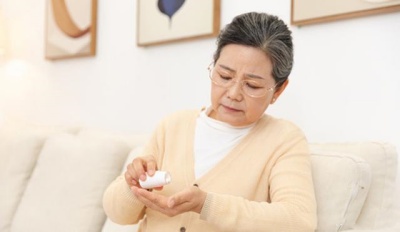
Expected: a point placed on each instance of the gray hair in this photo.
(266, 32)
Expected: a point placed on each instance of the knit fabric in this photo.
(263, 184)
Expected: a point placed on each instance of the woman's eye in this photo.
(226, 78)
(253, 85)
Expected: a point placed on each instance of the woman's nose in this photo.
(235, 91)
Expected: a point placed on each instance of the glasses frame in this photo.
(210, 69)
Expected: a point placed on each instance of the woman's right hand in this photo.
(138, 169)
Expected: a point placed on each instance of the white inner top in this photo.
(213, 140)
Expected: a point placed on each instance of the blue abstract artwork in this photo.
(170, 7)
(166, 21)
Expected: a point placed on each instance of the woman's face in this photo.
(231, 105)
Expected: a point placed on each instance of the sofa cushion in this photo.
(382, 158)
(20, 144)
(66, 187)
(341, 185)
(17, 160)
(110, 226)
(133, 140)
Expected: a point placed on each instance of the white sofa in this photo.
(53, 179)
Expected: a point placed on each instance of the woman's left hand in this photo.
(189, 199)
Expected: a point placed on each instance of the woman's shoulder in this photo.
(280, 124)
(180, 115)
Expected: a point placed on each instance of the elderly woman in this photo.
(233, 167)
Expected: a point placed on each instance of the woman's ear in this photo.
(278, 91)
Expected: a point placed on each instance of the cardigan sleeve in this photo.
(292, 206)
(120, 204)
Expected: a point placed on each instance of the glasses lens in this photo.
(252, 88)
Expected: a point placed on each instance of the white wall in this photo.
(345, 85)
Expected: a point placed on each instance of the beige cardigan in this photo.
(264, 184)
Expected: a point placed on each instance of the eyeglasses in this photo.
(252, 88)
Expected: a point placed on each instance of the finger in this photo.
(158, 202)
(128, 178)
(150, 199)
(139, 168)
(190, 199)
(131, 171)
(171, 203)
(151, 167)
(180, 198)
(149, 164)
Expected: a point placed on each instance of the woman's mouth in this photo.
(230, 109)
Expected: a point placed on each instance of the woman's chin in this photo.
(231, 119)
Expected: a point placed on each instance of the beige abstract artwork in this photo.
(304, 12)
(70, 29)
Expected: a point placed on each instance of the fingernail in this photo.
(142, 177)
(171, 203)
(151, 172)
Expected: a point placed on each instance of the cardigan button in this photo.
(182, 229)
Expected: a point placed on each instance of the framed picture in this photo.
(166, 21)
(70, 28)
(304, 12)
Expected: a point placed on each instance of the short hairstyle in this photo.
(266, 32)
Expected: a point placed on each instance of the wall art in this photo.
(304, 12)
(165, 21)
(70, 28)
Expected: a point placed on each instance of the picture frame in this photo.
(305, 12)
(70, 29)
(169, 21)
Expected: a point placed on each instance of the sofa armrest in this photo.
(391, 229)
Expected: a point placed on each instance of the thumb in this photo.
(171, 202)
(178, 198)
